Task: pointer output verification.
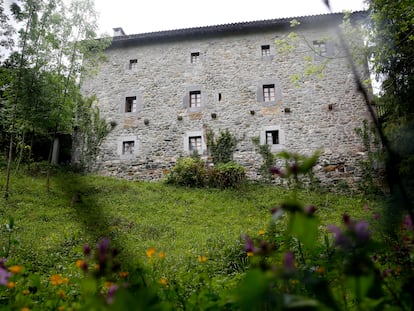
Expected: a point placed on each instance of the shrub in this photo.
(188, 171)
(227, 175)
(222, 147)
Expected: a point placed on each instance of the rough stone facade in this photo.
(238, 80)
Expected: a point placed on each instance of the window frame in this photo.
(122, 147)
(265, 49)
(281, 140)
(269, 93)
(133, 64)
(195, 57)
(187, 145)
(194, 99)
(131, 103)
(130, 145)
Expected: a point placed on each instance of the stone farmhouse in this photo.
(162, 91)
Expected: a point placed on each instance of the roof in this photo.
(233, 28)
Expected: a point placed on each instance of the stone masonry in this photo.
(162, 91)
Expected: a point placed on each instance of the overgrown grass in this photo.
(184, 223)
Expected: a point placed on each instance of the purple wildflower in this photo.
(4, 276)
(289, 262)
(103, 245)
(407, 223)
(310, 210)
(86, 249)
(249, 244)
(361, 230)
(111, 294)
(340, 239)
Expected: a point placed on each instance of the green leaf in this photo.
(305, 228)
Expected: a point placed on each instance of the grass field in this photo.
(184, 223)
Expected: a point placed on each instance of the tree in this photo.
(44, 93)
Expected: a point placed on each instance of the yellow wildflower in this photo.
(262, 232)
(24, 309)
(56, 279)
(25, 292)
(16, 269)
(11, 284)
(96, 267)
(150, 252)
(61, 293)
(163, 281)
(123, 274)
(202, 258)
(79, 263)
(108, 284)
(61, 308)
(161, 255)
(320, 270)
(250, 254)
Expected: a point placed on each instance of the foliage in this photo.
(226, 175)
(222, 147)
(188, 171)
(392, 49)
(374, 161)
(40, 92)
(89, 132)
(267, 155)
(302, 267)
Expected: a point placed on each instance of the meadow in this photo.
(173, 235)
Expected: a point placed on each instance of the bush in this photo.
(227, 175)
(188, 171)
(222, 147)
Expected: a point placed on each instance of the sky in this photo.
(140, 16)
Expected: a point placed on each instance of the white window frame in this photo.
(133, 64)
(281, 138)
(320, 48)
(194, 99)
(265, 50)
(195, 57)
(194, 134)
(122, 144)
(269, 93)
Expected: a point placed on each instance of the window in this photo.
(269, 93)
(272, 137)
(128, 147)
(320, 48)
(195, 99)
(195, 144)
(131, 104)
(195, 57)
(133, 63)
(265, 50)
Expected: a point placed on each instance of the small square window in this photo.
(131, 104)
(272, 137)
(265, 50)
(320, 48)
(133, 63)
(195, 144)
(195, 99)
(268, 92)
(195, 57)
(128, 147)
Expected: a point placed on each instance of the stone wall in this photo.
(320, 114)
